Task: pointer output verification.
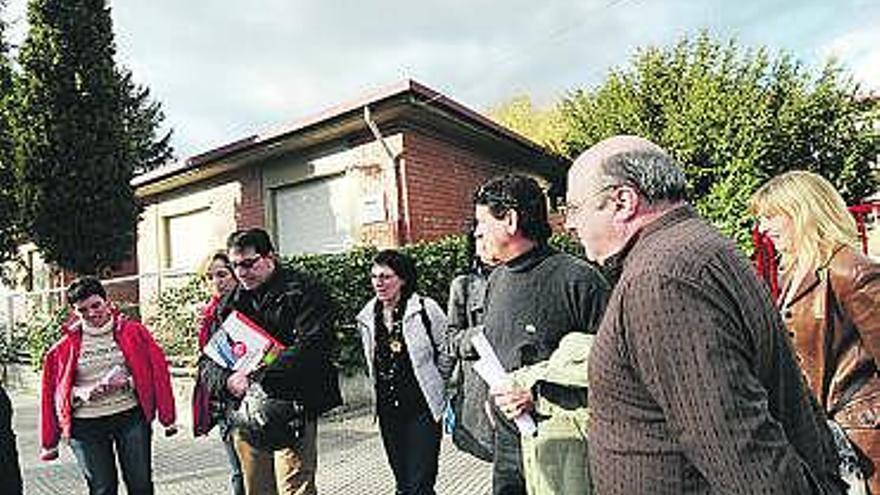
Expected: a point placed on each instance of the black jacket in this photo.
(298, 312)
(10, 473)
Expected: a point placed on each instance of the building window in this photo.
(185, 239)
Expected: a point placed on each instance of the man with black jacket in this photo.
(296, 311)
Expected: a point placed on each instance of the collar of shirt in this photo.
(529, 259)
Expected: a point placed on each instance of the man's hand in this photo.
(512, 400)
(237, 383)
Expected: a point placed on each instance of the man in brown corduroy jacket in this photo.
(694, 388)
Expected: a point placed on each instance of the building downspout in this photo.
(398, 180)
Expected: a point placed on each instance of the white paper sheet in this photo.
(490, 370)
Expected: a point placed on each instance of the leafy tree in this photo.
(733, 117)
(8, 206)
(84, 128)
(542, 125)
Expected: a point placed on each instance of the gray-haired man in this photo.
(693, 384)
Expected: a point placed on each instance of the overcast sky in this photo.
(225, 69)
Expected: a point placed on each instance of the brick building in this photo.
(327, 183)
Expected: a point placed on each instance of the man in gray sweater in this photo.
(534, 298)
(694, 387)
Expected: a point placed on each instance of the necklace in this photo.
(395, 338)
(395, 330)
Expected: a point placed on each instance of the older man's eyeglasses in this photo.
(571, 208)
(246, 263)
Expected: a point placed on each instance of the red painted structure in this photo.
(765, 258)
(860, 211)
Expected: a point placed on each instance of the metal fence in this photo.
(137, 294)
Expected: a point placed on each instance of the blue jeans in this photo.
(236, 481)
(93, 441)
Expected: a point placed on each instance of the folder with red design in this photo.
(241, 344)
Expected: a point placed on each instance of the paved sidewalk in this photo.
(351, 460)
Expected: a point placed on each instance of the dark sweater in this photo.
(397, 390)
(694, 388)
(532, 301)
(535, 299)
(10, 473)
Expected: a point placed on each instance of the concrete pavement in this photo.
(351, 459)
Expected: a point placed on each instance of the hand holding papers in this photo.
(489, 368)
(115, 378)
(240, 344)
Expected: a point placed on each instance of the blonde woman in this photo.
(830, 303)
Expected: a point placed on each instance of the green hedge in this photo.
(175, 323)
(346, 275)
(39, 332)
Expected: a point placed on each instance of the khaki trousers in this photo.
(289, 471)
(555, 461)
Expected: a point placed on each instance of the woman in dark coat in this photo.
(10, 473)
(207, 410)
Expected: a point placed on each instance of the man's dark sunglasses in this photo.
(246, 263)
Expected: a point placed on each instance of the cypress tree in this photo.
(142, 118)
(80, 140)
(8, 206)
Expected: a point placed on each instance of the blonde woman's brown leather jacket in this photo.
(834, 322)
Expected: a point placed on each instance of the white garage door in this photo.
(315, 216)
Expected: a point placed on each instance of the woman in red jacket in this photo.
(207, 410)
(103, 383)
